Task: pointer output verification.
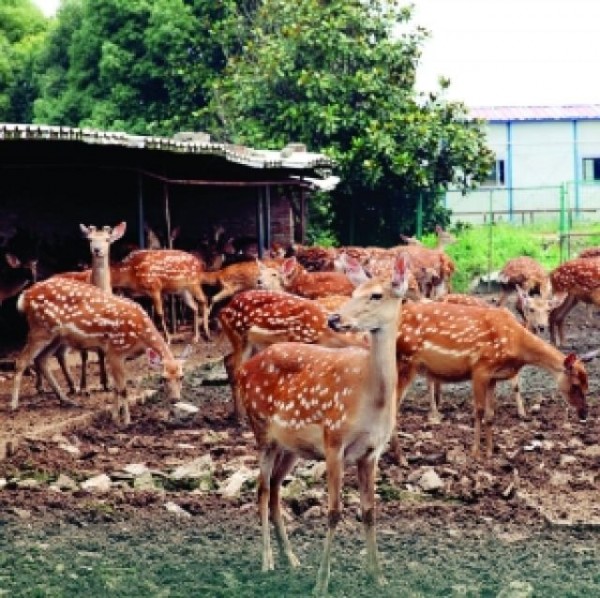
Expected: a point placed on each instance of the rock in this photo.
(457, 456)
(196, 469)
(516, 589)
(20, 513)
(560, 479)
(145, 481)
(430, 481)
(575, 443)
(135, 469)
(177, 510)
(3, 482)
(313, 513)
(232, 487)
(28, 483)
(313, 471)
(69, 448)
(591, 451)
(113, 450)
(567, 460)
(64, 482)
(293, 489)
(183, 411)
(99, 483)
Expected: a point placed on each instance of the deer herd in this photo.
(325, 344)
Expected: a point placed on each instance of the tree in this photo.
(22, 31)
(339, 77)
(137, 65)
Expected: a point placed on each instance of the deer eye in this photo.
(376, 296)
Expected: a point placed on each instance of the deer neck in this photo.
(383, 374)
(537, 352)
(101, 273)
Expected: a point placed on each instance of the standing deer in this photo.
(152, 272)
(336, 404)
(257, 318)
(311, 285)
(454, 343)
(60, 310)
(579, 280)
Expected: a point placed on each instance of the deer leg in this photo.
(60, 351)
(488, 418)
(366, 484)
(516, 386)
(43, 362)
(224, 293)
(34, 346)
(189, 301)
(434, 387)
(158, 308)
(283, 466)
(117, 369)
(335, 472)
(103, 373)
(557, 319)
(83, 380)
(267, 461)
(200, 297)
(479, 406)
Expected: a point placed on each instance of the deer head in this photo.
(172, 370)
(101, 240)
(269, 279)
(573, 383)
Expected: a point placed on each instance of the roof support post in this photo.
(260, 223)
(267, 216)
(140, 203)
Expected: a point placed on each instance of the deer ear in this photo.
(400, 276)
(118, 231)
(288, 265)
(570, 359)
(589, 355)
(522, 294)
(12, 260)
(85, 230)
(154, 358)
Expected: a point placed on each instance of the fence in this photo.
(568, 206)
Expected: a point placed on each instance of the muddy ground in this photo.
(524, 523)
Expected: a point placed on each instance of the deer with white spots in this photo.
(337, 404)
(454, 343)
(99, 275)
(152, 272)
(255, 319)
(526, 273)
(311, 285)
(579, 280)
(60, 310)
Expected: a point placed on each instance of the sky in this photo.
(505, 52)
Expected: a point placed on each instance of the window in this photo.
(496, 176)
(591, 169)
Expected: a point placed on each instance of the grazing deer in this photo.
(15, 280)
(526, 273)
(336, 404)
(311, 285)
(152, 272)
(454, 343)
(258, 318)
(64, 311)
(579, 280)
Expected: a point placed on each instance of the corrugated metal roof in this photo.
(521, 113)
(293, 156)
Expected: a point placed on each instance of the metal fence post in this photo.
(562, 222)
(419, 224)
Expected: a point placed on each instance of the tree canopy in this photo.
(338, 76)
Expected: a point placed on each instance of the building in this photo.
(544, 154)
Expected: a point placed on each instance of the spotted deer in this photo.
(454, 343)
(154, 272)
(18, 277)
(64, 311)
(578, 280)
(311, 285)
(242, 276)
(258, 318)
(526, 273)
(336, 404)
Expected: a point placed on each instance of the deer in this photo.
(99, 275)
(242, 276)
(258, 318)
(311, 285)
(578, 280)
(528, 274)
(65, 311)
(18, 277)
(152, 272)
(443, 239)
(454, 343)
(335, 404)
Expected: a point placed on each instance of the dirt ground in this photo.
(528, 516)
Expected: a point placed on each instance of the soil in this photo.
(524, 523)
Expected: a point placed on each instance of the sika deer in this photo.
(63, 311)
(453, 343)
(526, 273)
(579, 279)
(336, 404)
(152, 272)
(255, 319)
(311, 285)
